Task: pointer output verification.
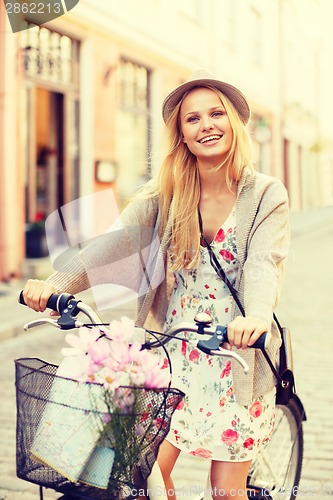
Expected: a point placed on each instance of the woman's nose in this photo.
(207, 123)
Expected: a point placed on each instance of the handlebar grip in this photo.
(57, 301)
(262, 343)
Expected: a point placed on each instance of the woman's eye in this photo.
(192, 119)
(218, 113)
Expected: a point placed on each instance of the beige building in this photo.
(80, 99)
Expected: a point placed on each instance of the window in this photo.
(133, 127)
(49, 55)
(134, 87)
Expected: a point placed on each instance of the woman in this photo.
(206, 187)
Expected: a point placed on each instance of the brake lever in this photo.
(39, 322)
(231, 354)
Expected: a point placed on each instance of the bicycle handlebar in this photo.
(57, 301)
(219, 334)
(68, 307)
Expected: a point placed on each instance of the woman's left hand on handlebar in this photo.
(245, 331)
(36, 294)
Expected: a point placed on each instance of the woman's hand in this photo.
(245, 331)
(36, 294)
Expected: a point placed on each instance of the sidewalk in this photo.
(310, 220)
(14, 316)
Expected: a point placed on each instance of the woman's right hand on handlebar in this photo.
(36, 294)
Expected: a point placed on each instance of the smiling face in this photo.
(205, 126)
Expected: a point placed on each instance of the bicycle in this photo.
(275, 472)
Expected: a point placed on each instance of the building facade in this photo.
(80, 100)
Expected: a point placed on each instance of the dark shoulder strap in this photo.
(220, 272)
(218, 268)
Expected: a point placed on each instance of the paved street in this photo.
(305, 307)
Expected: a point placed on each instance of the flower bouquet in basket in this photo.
(106, 407)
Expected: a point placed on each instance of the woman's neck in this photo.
(214, 183)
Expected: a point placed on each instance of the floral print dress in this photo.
(209, 422)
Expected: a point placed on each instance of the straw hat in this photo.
(201, 79)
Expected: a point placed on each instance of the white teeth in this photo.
(210, 138)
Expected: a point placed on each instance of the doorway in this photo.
(49, 121)
(49, 126)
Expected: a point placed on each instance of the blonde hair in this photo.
(178, 188)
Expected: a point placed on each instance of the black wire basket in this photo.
(69, 439)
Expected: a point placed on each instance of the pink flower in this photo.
(87, 354)
(135, 353)
(229, 436)
(157, 378)
(184, 345)
(144, 416)
(124, 398)
(139, 431)
(40, 216)
(180, 405)
(220, 236)
(136, 375)
(106, 418)
(226, 371)
(202, 453)
(248, 443)
(194, 356)
(154, 375)
(230, 391)
(212, 296)
(160, 422)
(165, 364)
(119, 355)
(99, 351)
(75, 367)
(228, 256)
(255, 409)
(113, 361)
(122, 330)
(110, 379)
(81, 342)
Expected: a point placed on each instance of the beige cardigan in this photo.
(262, 240)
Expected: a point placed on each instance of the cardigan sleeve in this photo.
(118, 256)
(267, 249)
